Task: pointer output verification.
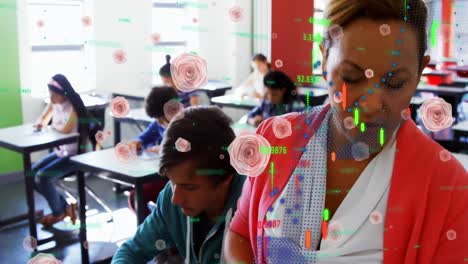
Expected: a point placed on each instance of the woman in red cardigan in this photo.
(355, 181)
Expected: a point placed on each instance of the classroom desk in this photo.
(136, 116)
(317, 96)
(136, 172)
(459, 130)
(22, 139)
(212, 89)
(463, 158)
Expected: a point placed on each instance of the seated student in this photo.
(193, 210)
(253, 86)
(187, 99)
(280, 98)
(392, 194)
(65, 108)
(150, 139)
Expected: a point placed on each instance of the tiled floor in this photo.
(103, 237)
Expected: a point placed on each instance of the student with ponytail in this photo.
(187, 99)
(65, 110)
(280, 98)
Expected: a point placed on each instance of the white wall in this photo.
(227, 55)
(132, 37)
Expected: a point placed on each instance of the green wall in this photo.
(10, 97)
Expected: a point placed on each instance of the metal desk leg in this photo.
(139, 203)
(29, 183)
(117, 132)
(83, 237)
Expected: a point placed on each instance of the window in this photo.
(56, 36)
(174, 28)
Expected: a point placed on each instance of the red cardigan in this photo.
(427, 198)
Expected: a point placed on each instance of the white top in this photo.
(254, 83)
(60, 115)
(355, 233)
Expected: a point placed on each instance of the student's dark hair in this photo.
(209, 132)
(343, 12)
(158, 96)
(165, 70)
(262, 58)
(68, 92)
(278, 80)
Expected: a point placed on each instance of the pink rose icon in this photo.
(335, 32)
(451, 234)
(406, 114)
(124, 152)
(349, 123)
(369, 73)
(281, 127)
(119, 107)
(436, 114)
(182, 145)
(108, 133)
(235, 13)
(29, 243)
(278, 63)
(155, 38)
(385, 30)
(40, 23)
(445, 155)
(245, 154)
(42, 258)
(100, 137)
(119, 56)
(86, 21)
(375, 217)
(335, 231)
(189, 72)
(337, 97)
(171, 108)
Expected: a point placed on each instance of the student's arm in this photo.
(237, 249)
(71, 122)
(143, 246)
(46, 116)
(255, 115)
(151, 135)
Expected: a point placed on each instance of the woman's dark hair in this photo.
(165, 70)
(68, 92)
(156, 99)
(278, 80)
(262, 58)
(343, 12)
(209, 132)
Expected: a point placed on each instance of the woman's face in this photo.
(261, 66)
(275, 96)
(56, 98)
(381, 98)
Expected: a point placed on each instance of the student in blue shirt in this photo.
(150, 139)
(187, 99)
(280, 98)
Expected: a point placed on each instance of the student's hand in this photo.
(136, 145)
(38, 126)
(256, 120)
(257, 95)
(154, 149)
